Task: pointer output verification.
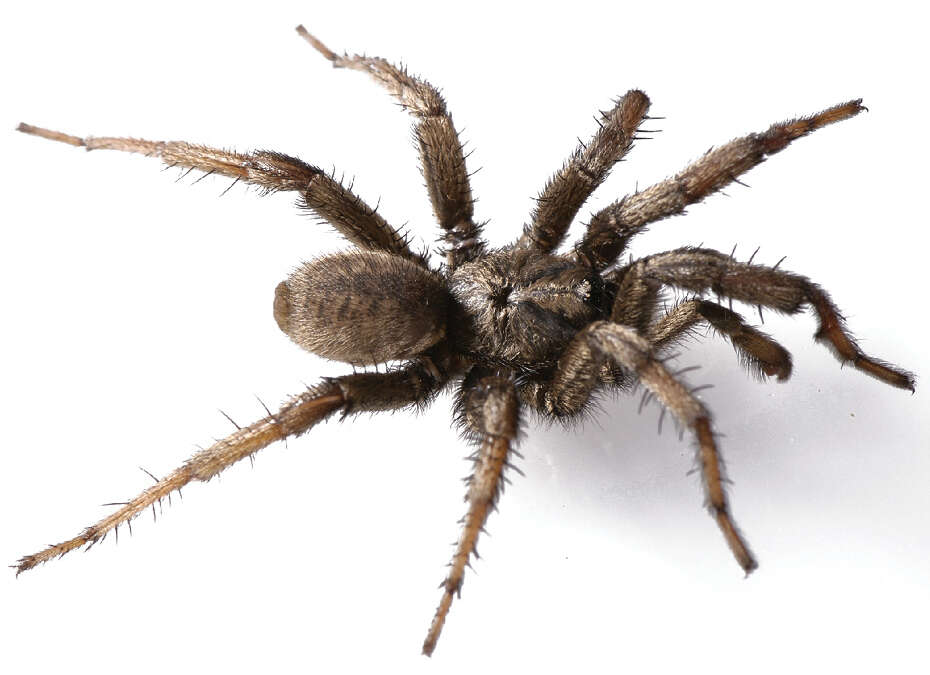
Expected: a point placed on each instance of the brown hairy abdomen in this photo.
(362, 307)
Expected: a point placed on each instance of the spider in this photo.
(513, 329)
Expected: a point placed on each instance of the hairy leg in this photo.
(490, 412)
(636, 306)
(270, 171)
(441, 155)
(584, 171)
(611, 229)
(413, 385)
(637, 300)
(758, 352)
(577, 375)
(701, 270)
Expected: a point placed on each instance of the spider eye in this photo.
(362, 307)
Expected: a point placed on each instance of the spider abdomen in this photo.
(362, 307)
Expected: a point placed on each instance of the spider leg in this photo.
(637, 300)
(700, 270)
(611, 228)
(576, 377)
(490, 411)
(583, 172)
(441, 155)
(758, 352)
(413, 385)
(270, 171)
(636, 305)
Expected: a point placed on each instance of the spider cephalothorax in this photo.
(517, 328)
(520, 308)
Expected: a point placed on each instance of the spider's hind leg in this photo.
(271, 172)
(413, 385)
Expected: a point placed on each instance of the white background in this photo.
(134, 307)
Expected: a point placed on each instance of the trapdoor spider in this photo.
(512, 329)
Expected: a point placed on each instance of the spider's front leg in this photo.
(583, 172)
(577, 375)
(758, 352)
(611, 228)
(412, 385)
(638, 296)
(701, 270)
(489, 409)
